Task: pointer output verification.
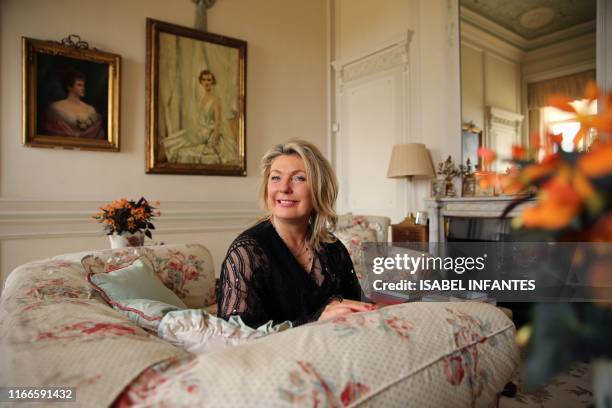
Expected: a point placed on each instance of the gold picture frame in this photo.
(70, 95)
(196, 102)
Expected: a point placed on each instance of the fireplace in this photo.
(469, 218)
(475, 219)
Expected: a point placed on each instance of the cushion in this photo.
(146, 313)
(353, 240)
(200, 332)
(187, 270)
(360, 222)
(416, 354)
(136, 281)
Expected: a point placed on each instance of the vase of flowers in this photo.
(127, 222)
(449, 171)
(572, 202)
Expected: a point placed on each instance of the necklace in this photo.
(298, 255)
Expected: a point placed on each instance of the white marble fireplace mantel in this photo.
(482, 207)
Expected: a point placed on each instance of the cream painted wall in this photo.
(44, 190)
(490, 76)
(285, 94)
(433, 107)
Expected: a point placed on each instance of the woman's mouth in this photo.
(286, 203)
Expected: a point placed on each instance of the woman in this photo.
(71, 116)
(205, 143)
(289, 266)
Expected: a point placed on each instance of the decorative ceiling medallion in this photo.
(537, 17)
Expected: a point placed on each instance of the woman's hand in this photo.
(345, 307)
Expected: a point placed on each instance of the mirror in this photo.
(514, 55)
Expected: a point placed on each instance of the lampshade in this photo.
(412, 159)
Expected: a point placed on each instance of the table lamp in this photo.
(408, 160)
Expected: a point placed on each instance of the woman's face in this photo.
(288, 195)
(207, 81)
(78, 88)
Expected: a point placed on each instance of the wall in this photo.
(47, 195)
(432, 111)
(490, 75)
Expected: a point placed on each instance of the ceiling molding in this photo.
(503, 34)
(479, 39)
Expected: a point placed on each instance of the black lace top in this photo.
(261, 280)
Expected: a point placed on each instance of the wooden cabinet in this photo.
(407, 231)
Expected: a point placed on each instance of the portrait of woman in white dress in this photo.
(197, 102)
(208, 142)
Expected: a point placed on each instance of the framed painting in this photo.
(196, 102)
(70, 95)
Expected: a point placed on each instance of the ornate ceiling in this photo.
(534, 18)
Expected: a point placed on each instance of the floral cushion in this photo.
(365, 222)
(187, 270)
(353, 241)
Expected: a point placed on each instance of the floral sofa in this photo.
(54, 331)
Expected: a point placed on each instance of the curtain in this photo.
(538, 94)
(571, 86)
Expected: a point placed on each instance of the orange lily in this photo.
(597, 162)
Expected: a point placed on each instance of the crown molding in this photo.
(509, 37)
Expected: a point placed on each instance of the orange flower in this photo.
(597, 162)
(121, 203)
(518, 153)
(537, 171)
(558, 204)
(488, 156)
(511, 182)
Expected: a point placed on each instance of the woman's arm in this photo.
(237, 293)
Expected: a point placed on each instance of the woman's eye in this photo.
(275, 178)
(301, 179)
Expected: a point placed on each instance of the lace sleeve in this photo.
(238, 292)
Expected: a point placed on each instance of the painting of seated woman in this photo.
(196, 101)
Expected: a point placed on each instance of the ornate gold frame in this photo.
(155, 164)
(31, 48)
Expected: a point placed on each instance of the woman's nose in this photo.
(285, 185)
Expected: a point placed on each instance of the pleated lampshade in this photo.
(412, 159)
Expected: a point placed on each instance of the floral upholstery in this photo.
(365, 222)
(415, 354)
(53, 332)
(187, 271)
(354, 231)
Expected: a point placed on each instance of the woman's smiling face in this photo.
(288, 195)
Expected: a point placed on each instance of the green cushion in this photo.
(135, 281)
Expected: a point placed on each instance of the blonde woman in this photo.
(290, 266)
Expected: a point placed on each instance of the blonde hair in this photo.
(323, 187)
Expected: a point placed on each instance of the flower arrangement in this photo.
(572, 202)
(449, 170)
(127, 216)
